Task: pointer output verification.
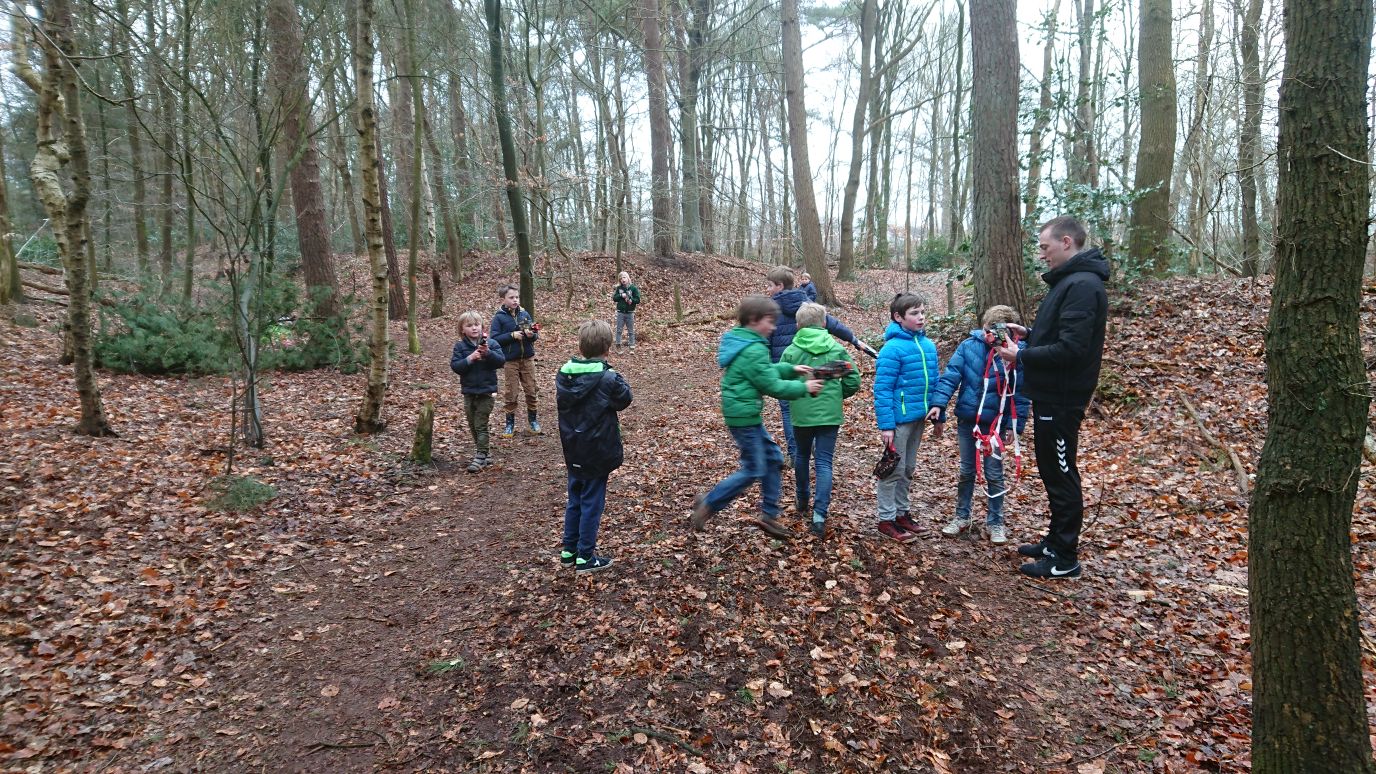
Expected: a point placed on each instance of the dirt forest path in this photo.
(410, 645)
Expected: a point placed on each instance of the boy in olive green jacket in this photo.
(817, 419)
(747, 376)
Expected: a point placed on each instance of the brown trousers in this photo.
(523, 371)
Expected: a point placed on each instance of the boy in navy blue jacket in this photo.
(589, 395)
(904, 375)
(476, 362)
(516, 333)
(990, 405)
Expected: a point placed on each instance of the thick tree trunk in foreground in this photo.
(369, 418)
(1308, 710)
(808, 223)
(997, 243)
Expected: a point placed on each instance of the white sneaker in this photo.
(998, 534)
(956, 527)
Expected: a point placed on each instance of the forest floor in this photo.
(377, 615)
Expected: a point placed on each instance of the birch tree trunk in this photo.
(61, 143)
(369, 418)
(1308, 710)
(417, 183)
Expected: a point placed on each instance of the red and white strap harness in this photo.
(990, 443)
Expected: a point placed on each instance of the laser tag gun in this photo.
(999, 335)
(528, 327)
(833, 370)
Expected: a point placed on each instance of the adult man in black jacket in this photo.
(1060, 371)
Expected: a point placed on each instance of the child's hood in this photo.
(896, 331)
(814, 341)
(579, 377)
(734, 343)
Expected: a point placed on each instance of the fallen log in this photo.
(1238, 469)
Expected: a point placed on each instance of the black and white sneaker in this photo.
(592, 564)
(1050, 567)
(1036, 550)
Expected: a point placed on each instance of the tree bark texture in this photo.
(845, 268)
(61, 142)
(997, 243)
(10, 289)
(1084, 163)
(396, 299)
(808, 223)
(369, 418)
(1041, 120)
(661, 197)
(415, 177)
(297, 147)
(1308, 711)
(691, 207)
(1150, 222)
(135, 138)
(493, 10)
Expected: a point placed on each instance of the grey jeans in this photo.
(893, 491)
(625, 320)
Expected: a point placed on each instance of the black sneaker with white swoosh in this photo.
(1050, 567)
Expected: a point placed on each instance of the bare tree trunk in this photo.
(813, 258)
(997, 244)
(955, 200)
(1308, 709)
(10, 289)
(1149, 225)
(493, 11)
(1042, 118)
(298, 145)
(135, 138)
(453, 243)
(61, 142)
(1249, 138)
(188, 169)
(417, 182)
(396, 299)
(660, 142)
(1084, 164)
(845, 269)
(1194, 154)
(369, 418)
(341, 160)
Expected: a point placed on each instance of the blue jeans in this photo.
(789, 438)
(823, 439)
(583, 515)
(760, 461)
(965, 486)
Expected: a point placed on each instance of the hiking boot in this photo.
(906, 523)
(956, 527)
(535, 426)
(485, 460)
(698, 518)
(567, 558)
(1051, 567)
(891, 530)
(818, 529)
(998, 534)
(592, 564)
(1036, 550)
(772, 527)
(476, 465)
(510, 428)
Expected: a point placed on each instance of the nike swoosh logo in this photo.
(1057, 573)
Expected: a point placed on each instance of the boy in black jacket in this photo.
(476, 360)
(589, 394)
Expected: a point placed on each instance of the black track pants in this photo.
(1057, 439)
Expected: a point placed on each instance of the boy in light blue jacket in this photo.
(990, 406)
(904, 377)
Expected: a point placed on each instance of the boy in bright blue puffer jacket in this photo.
(990, 405)
(904, 377)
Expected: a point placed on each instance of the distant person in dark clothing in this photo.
(805, 285)
(1060, 365)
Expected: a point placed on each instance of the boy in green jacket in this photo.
(747, 376)
(817, 419)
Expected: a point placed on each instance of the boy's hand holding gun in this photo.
(481, 352)
(814, 385)
(527, 331)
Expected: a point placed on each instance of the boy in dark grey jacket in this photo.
(476, 360)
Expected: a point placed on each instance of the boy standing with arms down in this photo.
(590, 394)
(515, 332)
(904, 378)
(747, 376)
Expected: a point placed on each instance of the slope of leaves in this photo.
(377, 614)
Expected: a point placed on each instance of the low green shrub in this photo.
(238, 493)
